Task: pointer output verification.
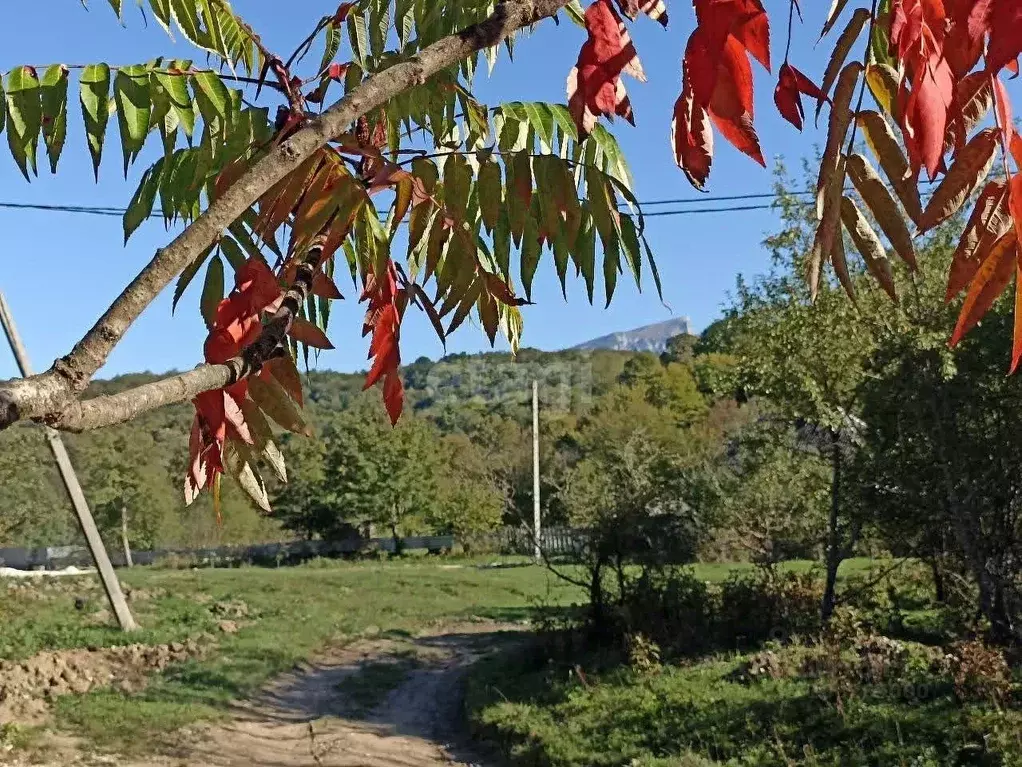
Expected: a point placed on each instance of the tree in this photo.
(807, 358)
(474, 184)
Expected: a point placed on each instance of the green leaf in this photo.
(532, 249)
(333, 45)
(141, 205)
(116, 5)
(611, 267)
(585, 251)
(379, 26)
(186, 15)
(880, 38)
(632, 248)
(457, 183)
(502, 244)
(233, 253)
(187, 276)
(24, 117)
(134, 108)
(95, 97)
(575, 13)
(561, 256)
(358, 39)
(491, 194)
(176, 88)
(614, 159)
(213, 99)
(212, 291)
(542, 121)
(404, 20)
(161, 10)
(54, 118)
(654, 270)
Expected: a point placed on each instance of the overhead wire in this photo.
(95, 210)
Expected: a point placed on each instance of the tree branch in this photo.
(95, 413)
(47, 396)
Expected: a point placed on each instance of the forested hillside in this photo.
(465, 401)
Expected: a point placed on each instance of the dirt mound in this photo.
(27, 687)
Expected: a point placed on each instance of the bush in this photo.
(671, 607)
(754, 608)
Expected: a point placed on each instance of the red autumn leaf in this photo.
(655, 9)
(394, 396)
(992, 277)
(342, 12)
(305, 332)
(324, 287)
(791, 85)
(1002, 107)
(963, 44)
(594, 84)
(692, 137)
(990, 219)
(1005, 24)
(731, 107)
(383, 320)
(337, 71)
(918, 28)
(752, 30)
(925, 114)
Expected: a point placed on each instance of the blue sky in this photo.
(62, 270)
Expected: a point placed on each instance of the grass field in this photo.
(287, 614)
(291, 612)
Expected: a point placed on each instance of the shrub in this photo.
(980, 673)
(762, 606)
(671, 607)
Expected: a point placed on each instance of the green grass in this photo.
(294, 612)
(547, 717)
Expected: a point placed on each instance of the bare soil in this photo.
(302, 719)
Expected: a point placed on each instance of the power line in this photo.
(94, 210)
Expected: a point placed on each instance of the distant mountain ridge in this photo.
(648, 338)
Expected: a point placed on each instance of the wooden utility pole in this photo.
(124, 537)
(536, 527)
(67, 473)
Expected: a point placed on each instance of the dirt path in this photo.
(311, 718)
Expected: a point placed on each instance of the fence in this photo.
(556, 541)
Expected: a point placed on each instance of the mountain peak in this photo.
(648, 338)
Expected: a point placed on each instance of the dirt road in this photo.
(307, 719)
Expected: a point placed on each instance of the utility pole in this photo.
(536, 527)
(74, 489)
(124, 537)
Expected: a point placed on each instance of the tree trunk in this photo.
(939, 587)
(597, 603)
(834, 552)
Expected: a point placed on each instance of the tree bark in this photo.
(834, 549)
(48, 396)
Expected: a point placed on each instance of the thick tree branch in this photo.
(97, 412)
(45, 397)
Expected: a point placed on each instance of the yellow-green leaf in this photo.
(134, 108)
(54, 118)
(212, 291)
(24, 117)
(94, 87)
